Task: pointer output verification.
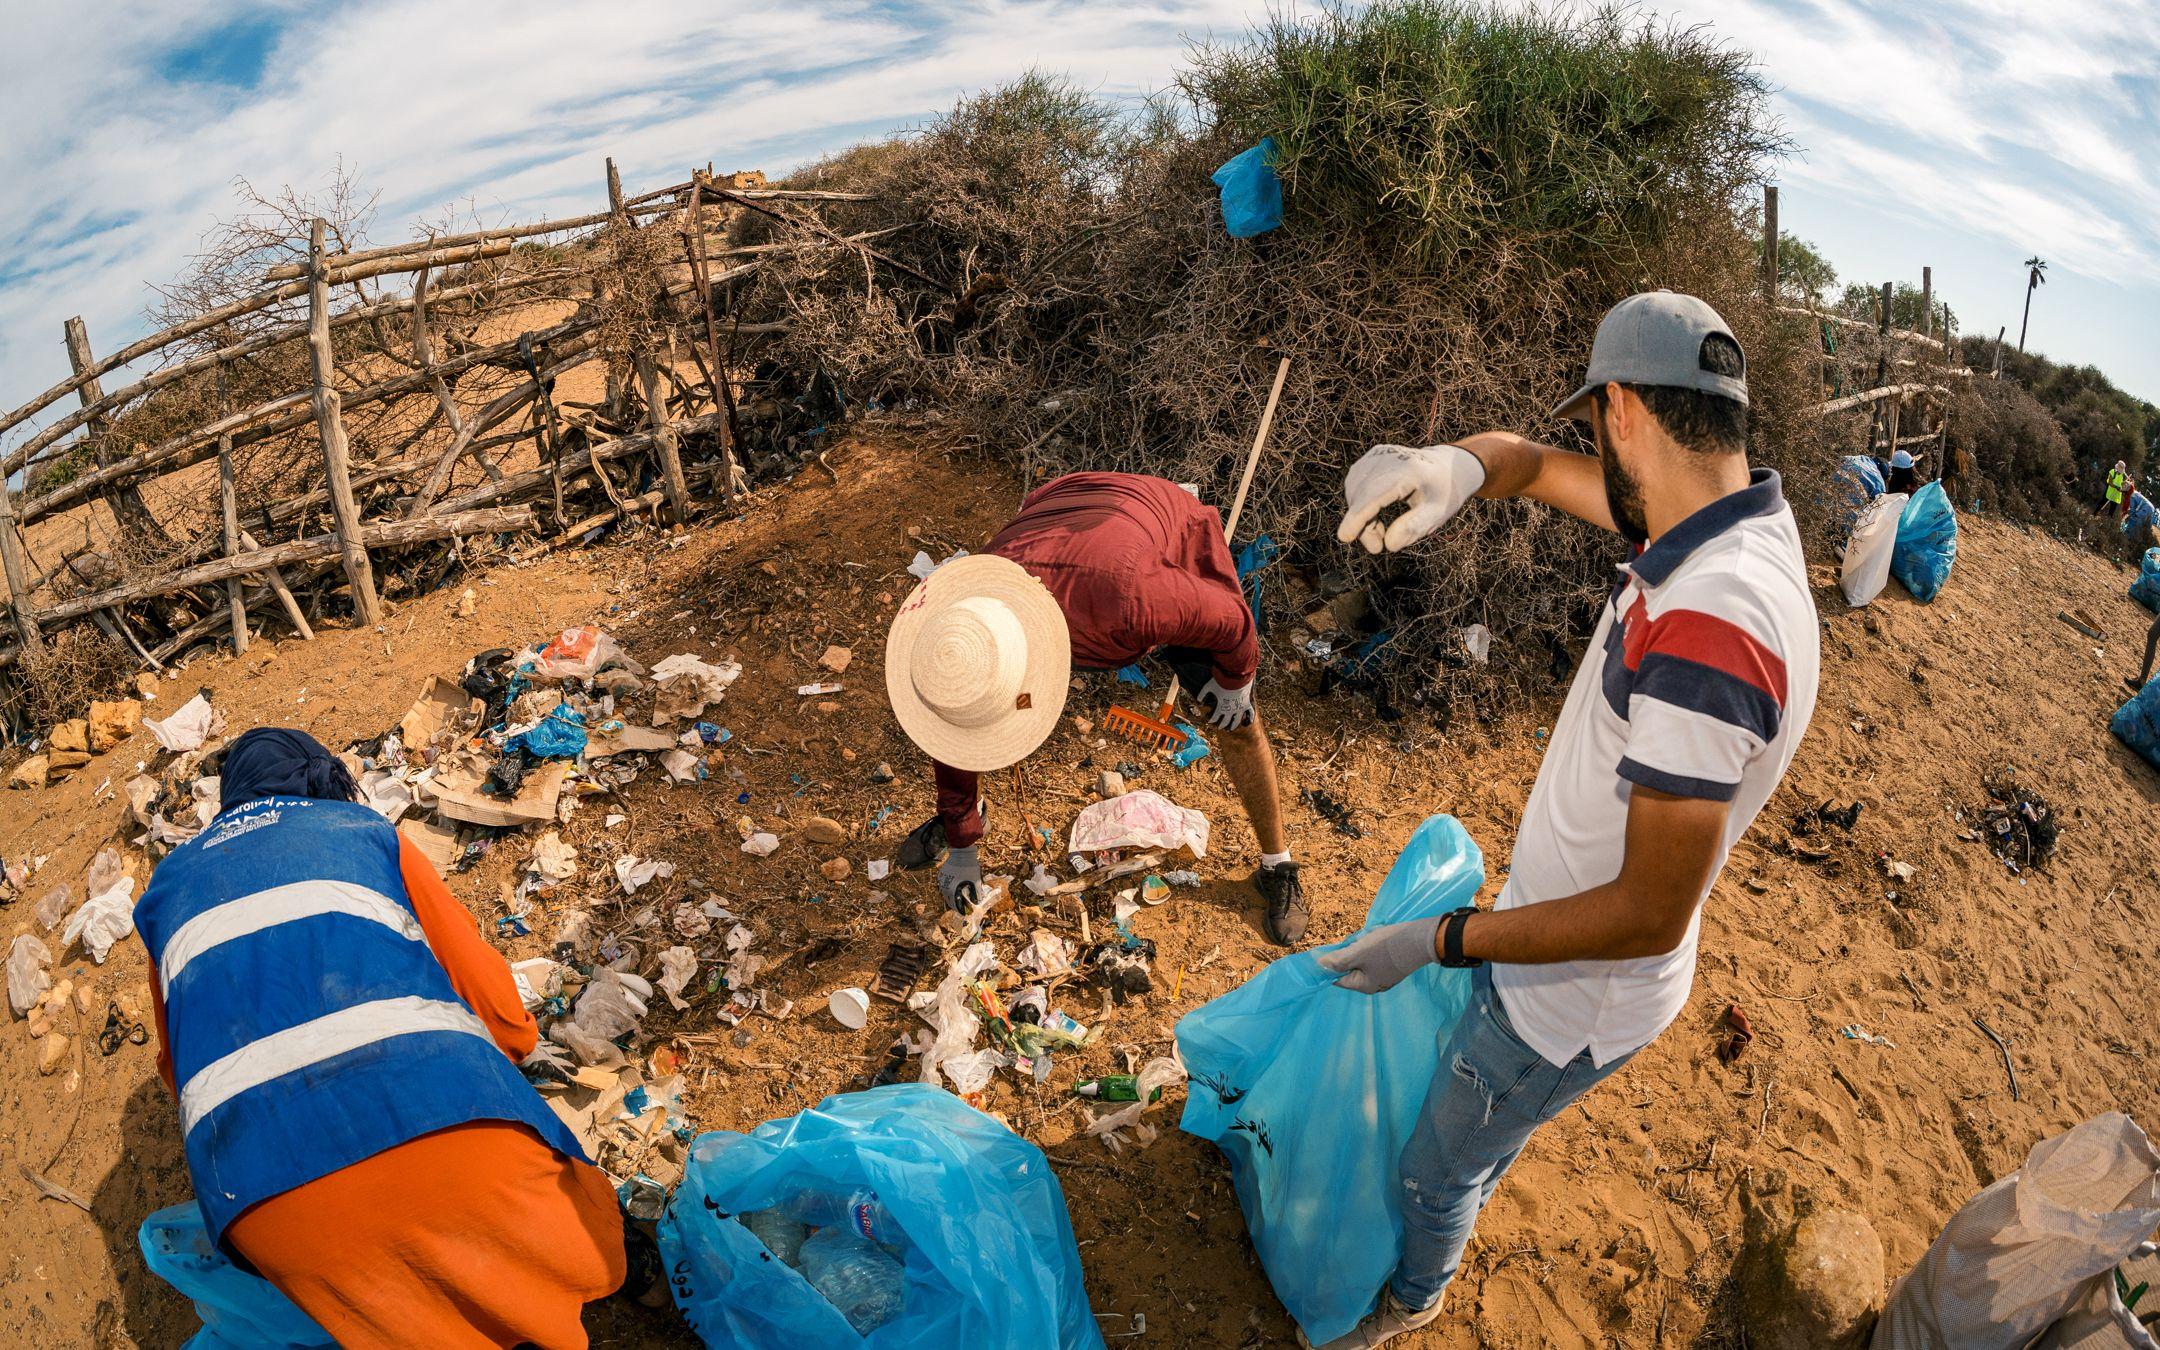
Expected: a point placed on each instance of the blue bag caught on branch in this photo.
(2145, 589)
(1312, 1091)
(906, 1175)
(239, 1311)
(1251, 193)
(1926, 543)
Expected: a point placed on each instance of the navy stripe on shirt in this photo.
(1679, 785)
(1707, 690)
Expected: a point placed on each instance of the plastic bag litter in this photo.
(924, 564)
(952, 1020)
(989, 1252)
(632, 872)
(1312, 1092)
(678, 966)
(1252, 200)
(1155, 1076)
(761, 844)
(193, 723)
(685, 686)
(54, 907)
(1139, 819)
(2146, 588)
(538, 979)
(552, 860)
(385, 793)
(27, 978)
(2021, 1254)
(580, 654)
(1926, 542)
(682, 766)
(2139, 514)
(2137, 722)
(608, 1009)
(558, 735)
(105, 918)
(239, 1311)
(1866, 566)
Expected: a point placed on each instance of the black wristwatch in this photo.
(1451, 926)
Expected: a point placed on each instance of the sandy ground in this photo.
(1621, 1223)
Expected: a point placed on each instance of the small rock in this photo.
(56, 1050)
(65, 761)
(73, 734)
(824, 830)
(1111, 784)
(768, 568)
(882, 773)
(40, 1022)
(112, 723)
(837, 869)
(1818, 1283)
(83, 999)
(31, 773)
(1083, 725)
(836, 659)
(847, 756)
(466, 603)
(827, 707)
(146, 684)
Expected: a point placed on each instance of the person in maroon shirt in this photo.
(1139, 567)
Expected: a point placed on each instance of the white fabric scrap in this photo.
(193, 723)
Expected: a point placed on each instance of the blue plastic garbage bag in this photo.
(1253, 559)
(1251, 193)
(1312, 1091)
(2146, 588)
(990, 1257)
(560, 735)
(1926, 542)
(239, 1311)
(1857, 482)
(2139, 514)
(2137, 723)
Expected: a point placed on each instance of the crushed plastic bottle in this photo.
(857, 1277)
(782, 1236)
(857, 1212)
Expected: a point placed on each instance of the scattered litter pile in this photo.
(2018, 824)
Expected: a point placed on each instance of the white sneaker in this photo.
(1381, 1325)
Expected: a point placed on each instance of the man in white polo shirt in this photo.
(1684, 715)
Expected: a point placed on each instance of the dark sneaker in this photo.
(924, 846)
(1285, 896)
(1381, 1325)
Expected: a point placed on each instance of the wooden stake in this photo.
(337, 455)
(723, 386)
(1770, 241)
(11, 573)
(128, 508)
(1927, 325)
(228, 500)
(276, 578)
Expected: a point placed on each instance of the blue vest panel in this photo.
(310, 1024)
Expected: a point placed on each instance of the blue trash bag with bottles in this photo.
(899, 1218)
(2145, 588)
(1926, 543)
(2137, 722)
(1312, 1092)
(239, 1311)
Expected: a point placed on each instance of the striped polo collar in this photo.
(1764, 495)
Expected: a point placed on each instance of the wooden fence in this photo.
(647, 279)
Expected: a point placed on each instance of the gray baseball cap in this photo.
(1655, 338)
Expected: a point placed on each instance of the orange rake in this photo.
(1155, 732)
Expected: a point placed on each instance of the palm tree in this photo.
(2035, 275)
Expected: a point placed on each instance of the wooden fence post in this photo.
(11, 572)
(126, 501)
(330, 423)
(1882, 361)
(1927, 329)
(1770, 241)
(723, 385)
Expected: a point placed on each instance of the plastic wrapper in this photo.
(1926, 543)
(558, 735)
(678, 966)
(193, 723)
(632, 872)
(580, 654)
(990, 1260)
(1312, 1092)
(54, 907)
(684, 686)
(1139, 819)
(1252, 197)
(105, 918)
(239, 1311)
(27, 977)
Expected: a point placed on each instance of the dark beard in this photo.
(1623, 495)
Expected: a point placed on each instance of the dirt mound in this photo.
(1622, 1222)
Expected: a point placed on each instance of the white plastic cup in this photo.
(849, 1007)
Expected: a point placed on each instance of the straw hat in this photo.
(977, 663)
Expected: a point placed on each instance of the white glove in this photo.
(1229, 709)
(1435, 481)
(1378, 961)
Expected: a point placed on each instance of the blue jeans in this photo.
(1490, 1094)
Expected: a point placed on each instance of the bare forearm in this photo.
(1604, 923)
(1516, 466)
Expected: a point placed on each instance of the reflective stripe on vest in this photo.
(310, 1043)
(280, 904)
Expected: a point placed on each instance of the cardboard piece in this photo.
(615, 737)
(443, 707)
(459, 790)
(436, 841)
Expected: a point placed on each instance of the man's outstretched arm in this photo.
(1516, 466)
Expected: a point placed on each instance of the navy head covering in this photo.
(280, 762)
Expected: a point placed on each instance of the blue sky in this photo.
(1963, 134)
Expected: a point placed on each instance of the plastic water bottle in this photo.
(782, 1236)
(858, 1212)
(855, 1276)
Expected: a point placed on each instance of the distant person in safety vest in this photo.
(344, 1048)
(1097, 572)
(1686, 711)
(2118, 491)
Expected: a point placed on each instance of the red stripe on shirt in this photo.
(1706, 639)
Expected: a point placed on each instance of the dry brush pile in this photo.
(1467, 191)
